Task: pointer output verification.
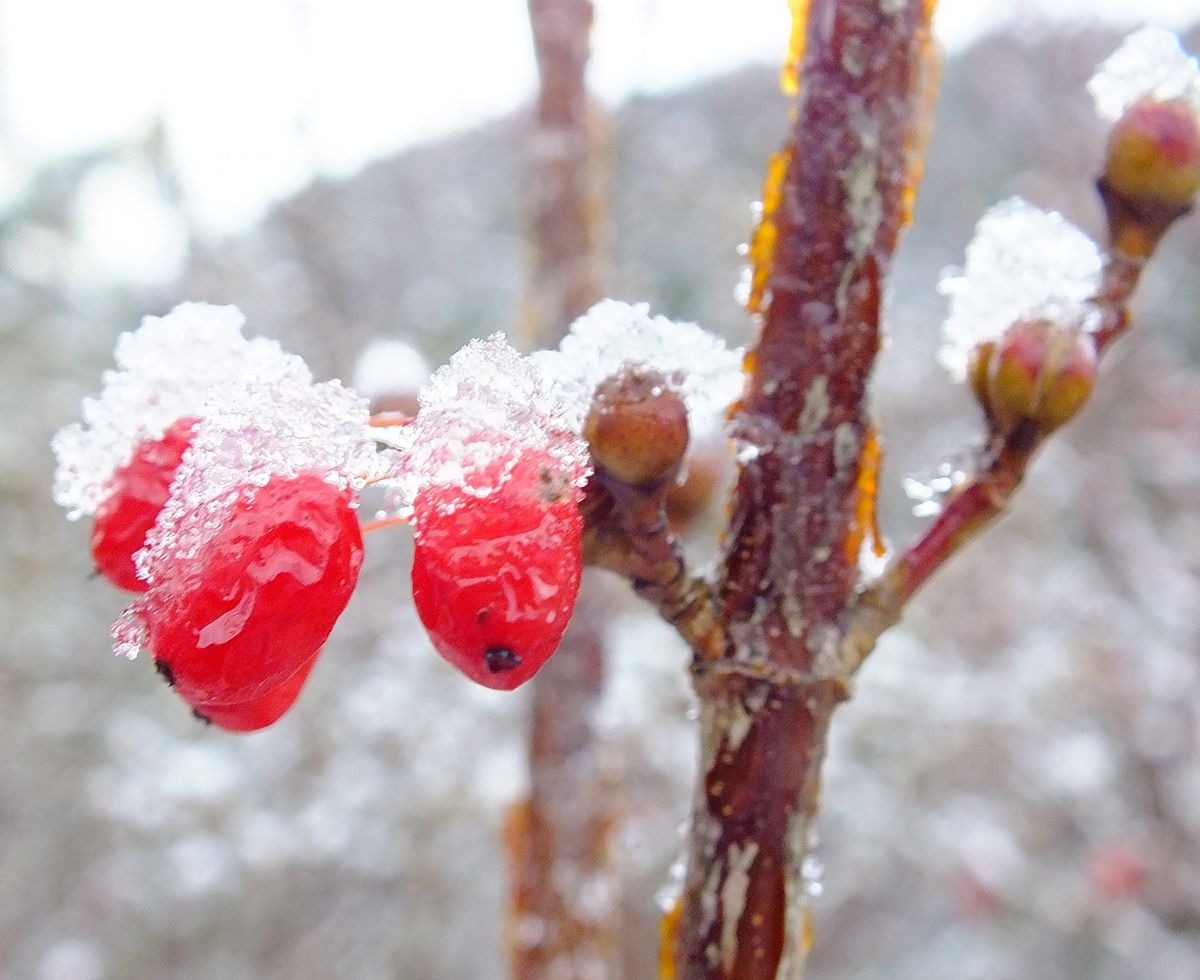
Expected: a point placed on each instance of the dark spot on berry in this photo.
(165, 671)
(200, 716)
(481, 616)
(501, 658)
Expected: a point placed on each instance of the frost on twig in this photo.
(1038, 304)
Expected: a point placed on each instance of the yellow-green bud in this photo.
(1039, 371)
(1154, 152)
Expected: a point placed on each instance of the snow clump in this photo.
(1149, 64)
(1022, 262)
(165, 371)
(706, 373)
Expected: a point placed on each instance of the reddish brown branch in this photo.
(1117, 283)
(841, 210)
(627, 532)
(788, 576)
(564, 195)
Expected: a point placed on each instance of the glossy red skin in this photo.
(499, 573)
(274, 581)
(259, 712)
(137, 492)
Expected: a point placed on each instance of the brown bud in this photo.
(637, 428)
(1039, 371)
(1151, 173)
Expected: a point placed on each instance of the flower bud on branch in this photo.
(1151, 173)
(637, 428)
(1150, 89)
(1039, 372)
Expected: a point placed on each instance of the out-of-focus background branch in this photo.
(1014, 792)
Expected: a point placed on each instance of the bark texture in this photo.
(836, 200)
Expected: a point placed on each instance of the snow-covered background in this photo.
(1013, 793)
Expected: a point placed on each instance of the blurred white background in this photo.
(259, 96)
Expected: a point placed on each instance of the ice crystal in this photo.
(929, 494)
(488, 403)
(251, 432)
(611, 334)
(1022, 262)
(1149, 63)
(165, 371)
(812, 870)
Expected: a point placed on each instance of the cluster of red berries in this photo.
(224, 484)
(235, 618)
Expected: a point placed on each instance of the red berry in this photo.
(137, 492)
(270, 585)
(495, 577)
(259, 712)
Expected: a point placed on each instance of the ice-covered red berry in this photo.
(136, 493)
(495, 573)
(260, 597)
(258, 712)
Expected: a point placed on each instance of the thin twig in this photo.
(976, 504)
